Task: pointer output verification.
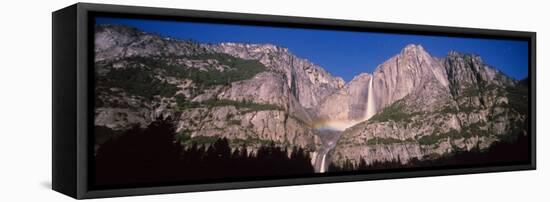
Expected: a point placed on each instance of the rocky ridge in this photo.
(432, 107)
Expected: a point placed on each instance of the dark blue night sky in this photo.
(342, 53)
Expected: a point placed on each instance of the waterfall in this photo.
(371, 109)
(322, 169)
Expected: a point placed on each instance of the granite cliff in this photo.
(431, 107)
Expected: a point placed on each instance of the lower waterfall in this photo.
(323, 162)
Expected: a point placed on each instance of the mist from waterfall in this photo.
(330, 131)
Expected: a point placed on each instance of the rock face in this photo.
(412, 106)
(409, 71)
(308, 82)
(269, 113)
(431, 107)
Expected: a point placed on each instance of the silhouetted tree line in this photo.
(349, 165)
(511, 150)
(151, 155)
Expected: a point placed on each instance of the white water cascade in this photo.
(323, 166)
(371, 107)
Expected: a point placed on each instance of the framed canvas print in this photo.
(152, 100)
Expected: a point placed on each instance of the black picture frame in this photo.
(72, 97)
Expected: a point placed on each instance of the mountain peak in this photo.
(412, 48)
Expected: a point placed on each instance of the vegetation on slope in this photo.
(395, 112)
(385, 141)
(517, 98)
(248, 105)
(136, 81)
(139, 76)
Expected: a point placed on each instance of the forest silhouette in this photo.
(153, 156)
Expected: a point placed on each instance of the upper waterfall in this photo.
(371, 107)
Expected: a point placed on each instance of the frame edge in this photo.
(64, 143)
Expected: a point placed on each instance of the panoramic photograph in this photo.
(191, 102)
